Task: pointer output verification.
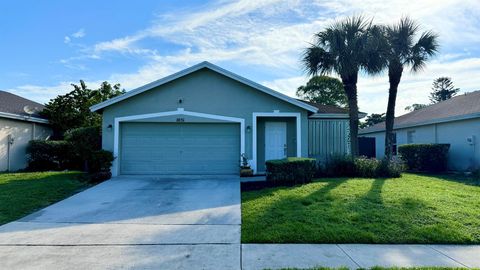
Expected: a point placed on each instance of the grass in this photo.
(411, 209)
(24, 193)
(381, 268)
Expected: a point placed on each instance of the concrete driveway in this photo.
(132, 223)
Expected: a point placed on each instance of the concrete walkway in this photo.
(132, 223)
(353, 256)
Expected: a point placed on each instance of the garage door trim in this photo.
(179, 111)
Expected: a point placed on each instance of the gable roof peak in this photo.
(189, 70)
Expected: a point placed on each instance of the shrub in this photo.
(390, 168)
(80, 150)
(367, 167)
(347, 166)
(49, 155)
(339, 165)
(85, 142)
(100, 176)
(100, 161)
(425, 157)
(290, 171)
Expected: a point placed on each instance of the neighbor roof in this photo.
(197, 67)
(330, 110)
(13, 106)
(464, 106)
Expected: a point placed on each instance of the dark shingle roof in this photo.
(461, 105)
(325, 108)
(10, 103)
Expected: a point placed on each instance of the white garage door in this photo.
(179, 148)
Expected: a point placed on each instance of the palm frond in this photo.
(376, 50)
(316, 61)
(426, 47)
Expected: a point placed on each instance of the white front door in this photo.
(275, 140)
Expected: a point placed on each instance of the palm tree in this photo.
(345, 48)
(404, 52)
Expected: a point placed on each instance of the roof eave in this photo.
(430, 122)
(24, 118)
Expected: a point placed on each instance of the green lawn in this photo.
(24, 193)
(410, 209)
(382, 268)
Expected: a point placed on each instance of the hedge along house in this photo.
(202, 119)
(455, 121)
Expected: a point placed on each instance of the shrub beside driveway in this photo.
(411, 209)
(24, 193)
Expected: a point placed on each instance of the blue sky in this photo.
(46, 45)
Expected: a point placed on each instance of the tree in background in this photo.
(323, 90)
(373, 119)
(72, 110)
(404, 51)
(442, 89)
(345, 48)
(415, 107)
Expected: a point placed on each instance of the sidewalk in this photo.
(276, 256)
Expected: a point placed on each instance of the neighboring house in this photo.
(201, 119)
(455, 121)
(19, 123)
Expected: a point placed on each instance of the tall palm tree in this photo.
(345, 48)
(404, 52)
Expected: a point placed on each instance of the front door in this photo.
(275, 140)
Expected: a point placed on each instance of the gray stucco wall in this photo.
(203, 91)
(22, 133)
(462, 155)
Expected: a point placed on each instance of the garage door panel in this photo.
(185, 148)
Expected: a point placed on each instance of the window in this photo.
(410, 136)
(394, 144)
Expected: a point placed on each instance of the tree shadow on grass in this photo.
(333, 215)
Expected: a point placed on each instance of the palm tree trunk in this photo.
(394, 76)
(350, 86)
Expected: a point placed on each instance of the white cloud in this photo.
(79, 34)
(270, 36)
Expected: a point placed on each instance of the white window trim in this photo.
(180, 111)
(276, 113)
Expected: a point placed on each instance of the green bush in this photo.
(338, 165)
(80, 150)
(347, 166)
(85, 142)
(367, 167)
(425, 157)
(50, 156)
(290, 171)
(100, 161)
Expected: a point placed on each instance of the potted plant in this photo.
(245, 170)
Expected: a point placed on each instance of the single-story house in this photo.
(455, 121)
(202, 119)
(19, 123)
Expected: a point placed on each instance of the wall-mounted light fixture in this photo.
(109, 127)
(249, 129)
